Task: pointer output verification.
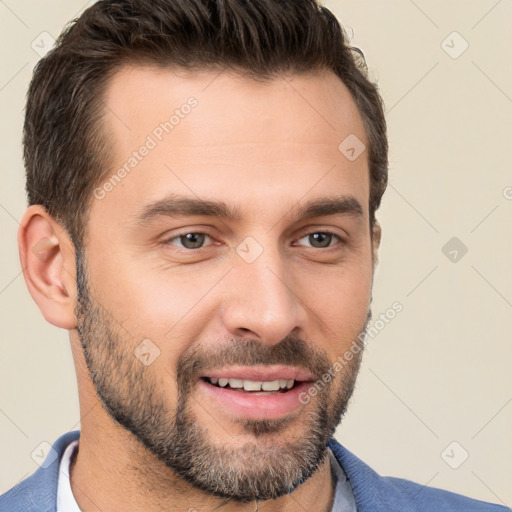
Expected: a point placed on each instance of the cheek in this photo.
(352, 298)
(157, 303)
(340, 299)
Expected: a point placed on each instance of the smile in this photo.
(264, 392)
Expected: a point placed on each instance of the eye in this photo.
(196, 240)
(192, 240)
(321, 239)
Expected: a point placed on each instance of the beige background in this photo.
(439, 372)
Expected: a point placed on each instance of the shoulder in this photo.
(38, 492)
(427, 498)
(376, 493)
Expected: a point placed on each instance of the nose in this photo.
(260, 300)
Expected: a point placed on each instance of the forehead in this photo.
(208, 134)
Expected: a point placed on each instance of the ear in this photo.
(376, 238)
(47, 259)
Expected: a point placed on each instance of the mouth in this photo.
(256, 392)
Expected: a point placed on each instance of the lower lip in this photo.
(256, 407)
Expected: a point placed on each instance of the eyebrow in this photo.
(175, 205)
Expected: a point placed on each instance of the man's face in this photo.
(174, 301)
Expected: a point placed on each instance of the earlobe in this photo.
(47, 260)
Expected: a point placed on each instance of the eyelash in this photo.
(185, 250)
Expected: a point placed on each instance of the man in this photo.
(203, 179)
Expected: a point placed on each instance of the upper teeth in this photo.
(252, 385)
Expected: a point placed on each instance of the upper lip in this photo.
(261, 373)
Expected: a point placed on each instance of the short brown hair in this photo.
(66, 154)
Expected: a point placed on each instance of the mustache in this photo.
(291, 351)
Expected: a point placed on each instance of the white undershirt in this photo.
(343, 498)
(65, 500)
